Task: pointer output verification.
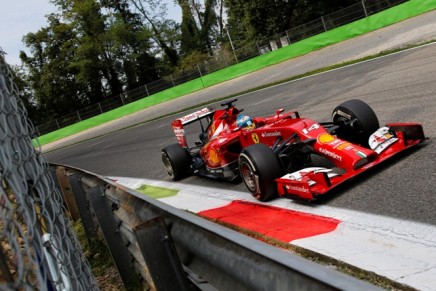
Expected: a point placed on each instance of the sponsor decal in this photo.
(270, 134)
(342, 113)
(330, 154)
(179, 132)
(216, 171)
(381, 139)
(297, 188)
(195, 115)
(255, 137)
(344, 145)
(325, 138)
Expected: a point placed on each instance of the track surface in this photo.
(400, 87)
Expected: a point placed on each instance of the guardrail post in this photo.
(65, 188)
(115, 242)
(160, 256)
(83, 207)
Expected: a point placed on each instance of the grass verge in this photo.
(290, 79)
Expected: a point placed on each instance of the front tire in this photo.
(259, 167)
(177, 161)
(366, 121)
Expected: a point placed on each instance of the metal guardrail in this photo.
(153, 245)
(164, 248)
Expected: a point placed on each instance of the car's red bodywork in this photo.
(225, 141)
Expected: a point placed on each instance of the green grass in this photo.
(156, 192)
(360, 27)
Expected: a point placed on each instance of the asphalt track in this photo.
(399, 87)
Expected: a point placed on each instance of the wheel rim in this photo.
(248, 176)
(168, 165)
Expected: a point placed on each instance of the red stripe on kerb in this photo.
(281, 224)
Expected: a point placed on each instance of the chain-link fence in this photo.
(227, 58)
(38, 247)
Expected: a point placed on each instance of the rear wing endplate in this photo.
(178, 124)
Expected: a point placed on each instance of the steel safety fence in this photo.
(157, 246)
(225, 58)
(38, 246)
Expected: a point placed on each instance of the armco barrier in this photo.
(156, 246)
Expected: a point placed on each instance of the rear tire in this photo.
(365, 125)
(259, 167)
(177, 161)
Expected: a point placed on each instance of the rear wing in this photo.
(179, 123)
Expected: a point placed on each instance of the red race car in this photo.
(285, 154)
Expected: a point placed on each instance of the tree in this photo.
(259, 19)
(56, 90)
(96, 62)
(199, 26)
(152, 12)
(132, 45)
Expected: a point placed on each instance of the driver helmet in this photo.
(244, 121)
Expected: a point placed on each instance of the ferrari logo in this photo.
(255, 137)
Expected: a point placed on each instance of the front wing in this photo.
(310, 183)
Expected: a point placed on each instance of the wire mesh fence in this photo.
(38, 247)
(224, 59)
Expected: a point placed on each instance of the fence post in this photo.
(37, 131)
(364, 8)
(78, 115)
(323, 23)
(201, 75)
(146, 90)
(57, 123)
(258, 48)
(231, 44)
(287, 35)
(171, 77)
(99, 106)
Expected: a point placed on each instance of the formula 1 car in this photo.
(275, 155)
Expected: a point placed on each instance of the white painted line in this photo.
(403, 251)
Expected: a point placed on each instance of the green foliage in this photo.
(256, 20)
(198, 28)
(53, 80)
(190, 61)
(95, 49)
